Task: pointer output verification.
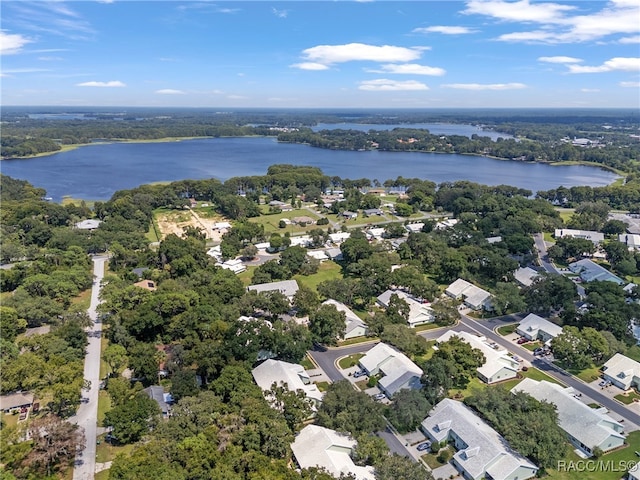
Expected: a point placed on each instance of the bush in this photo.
(444, 456)
(372, 382)
(282, 224)
(323, 221)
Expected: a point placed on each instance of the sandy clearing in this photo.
(175, 222)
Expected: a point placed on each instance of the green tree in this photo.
(305, 300)
(396, 467)
(115, 356)
(132, 419)
(408, 410)
(327, 324)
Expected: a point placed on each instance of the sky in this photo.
(324, 54)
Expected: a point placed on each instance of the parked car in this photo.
(522, 340)
(424, 446)
(538, 351)
(379, 396)
(359, 373)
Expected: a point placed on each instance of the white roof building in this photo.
(622, 371)
(525, 276)
(90, 224)
(630, 240)
(533, 327)
(399, 372)
(287, 287)
(221, 226)
(320, 255)
(355, 326)
(301, 241)
(590, 271)
(321, 447)
(414, 227)
(595, 237)
(474, 297)
(482, 452)
(498, 365)
(447, 223)
(586, 427)
(236, 266)
(419, 313)
(339, 237)
(293, 375)
(375, 233)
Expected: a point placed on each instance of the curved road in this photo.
(87, 414)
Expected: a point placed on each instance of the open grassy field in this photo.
(271, 221)
(350, 360)
(507, 329)
(327, 271)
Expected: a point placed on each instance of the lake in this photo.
(95, 172)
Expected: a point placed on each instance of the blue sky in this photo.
(475, 53)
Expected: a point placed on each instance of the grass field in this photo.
(328, 270)
(270, 222)
(83, 299)
(104, 405)
(507, 329)
(350, 360)
(106, 452)
(628, 398)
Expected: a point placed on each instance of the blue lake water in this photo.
(95, 172)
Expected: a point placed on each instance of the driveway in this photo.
(87, 414)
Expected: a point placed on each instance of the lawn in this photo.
(587, 375)
(104, 368)
(431, 459)
(328, 270)
(507, 329)
(104, 405)
(322, 386)
(634, 353)
(106, 452)
(362, 385)
(307, 364)
(608, 467)
(350, 360)
(627, 398)
(271, 222)
(83, 299)
(531, 346)
(534, 374)
(245, 277)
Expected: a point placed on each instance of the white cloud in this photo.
(590, 90)
(521, 11)
(629, 64)
(385, 85)
(169, 91)
(12, 43)
(490, 86)
(112, 83)
(50, 17)
(630, 84)
(330, 54)
(409, 69)
(310, 66)
(627, 40)
(444, 29)
(280, 13)
(559, 59)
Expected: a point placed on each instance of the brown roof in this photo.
(15, 400)
(146, 284)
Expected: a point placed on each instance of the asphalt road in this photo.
(87, 414)
(327, 360)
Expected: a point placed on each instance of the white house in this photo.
(235, 265)
(414, 227)
(294, 376)
(498, 365)
(222, 226)
(590, 271)
(399, 372)
(419, 313)
(90, 224)
(319, 255)
(622, 371)
(630, 240)
(339, 237)
(481, 451)
(586, 427)
(525, 276)
(287, 287)
(446, 223)
(595, 237)
(473, 297)
(321, 447)
(349, 215)
(533, 327)
(355, 326)
(375, 233)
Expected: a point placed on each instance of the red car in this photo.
(522, 340)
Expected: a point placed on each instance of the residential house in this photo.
(319, 255)
(285, 207)
(90, 224)
(498, 365)
(473, 297)
(447, 223)
(158, 395)
(375, 233)
(287, 287)
(355, 326)
(348, 215)
(622, 371)
(16, 401)
(301, 241)
(525, 276)
(532, 327)
(481, 451)
(595, 237)
(419, 312)
(215, 252)
(586, 427)
(369, 212)
(414, 227)
(221, 226)
(147, 285)
(339, 237)
(630, 240)
(303, 220)
(294, 376)
(492, 240)
(590, 271)
(235, 265)
(334, 254)
(634, 472)
(398, 371)
(327, 449)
